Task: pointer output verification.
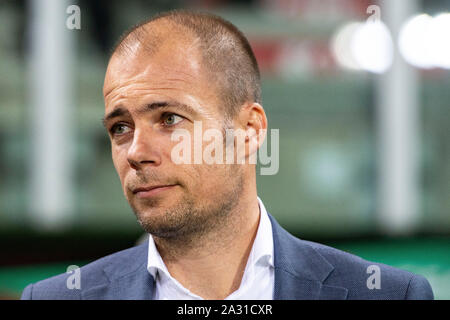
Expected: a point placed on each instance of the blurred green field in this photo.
(429, 257)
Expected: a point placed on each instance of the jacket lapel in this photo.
(300, 271)
(125, 280)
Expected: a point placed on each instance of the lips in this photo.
(151, 190)
(143, 189)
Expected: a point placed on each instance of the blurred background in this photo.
(358, 89)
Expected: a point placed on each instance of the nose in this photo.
(144, 149)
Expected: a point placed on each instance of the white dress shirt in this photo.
(257, 282)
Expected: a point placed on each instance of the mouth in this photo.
(147, 192)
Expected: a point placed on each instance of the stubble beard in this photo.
(185, 224)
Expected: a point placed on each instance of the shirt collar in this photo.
(155, 262)
(262, 250)
(261, 253)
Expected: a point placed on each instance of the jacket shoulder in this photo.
(62, 287)
(371, 280)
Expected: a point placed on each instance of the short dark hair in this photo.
(225, 52)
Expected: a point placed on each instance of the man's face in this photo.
(147, 97)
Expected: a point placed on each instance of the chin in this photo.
(157, 223)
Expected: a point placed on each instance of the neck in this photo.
(212, 266)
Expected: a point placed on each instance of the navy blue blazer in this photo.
(303, 270)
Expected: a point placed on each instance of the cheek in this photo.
(211, 177)
(120, 161)
(167, 145)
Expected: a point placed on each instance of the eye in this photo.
(170, 119)
(118, 129)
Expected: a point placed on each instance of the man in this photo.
(210, 235)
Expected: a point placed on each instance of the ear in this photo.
(253, 121)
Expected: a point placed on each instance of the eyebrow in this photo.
(119, 111)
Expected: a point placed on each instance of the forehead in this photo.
(173, 69)
(172, 57)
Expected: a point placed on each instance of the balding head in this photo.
(226, 56)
